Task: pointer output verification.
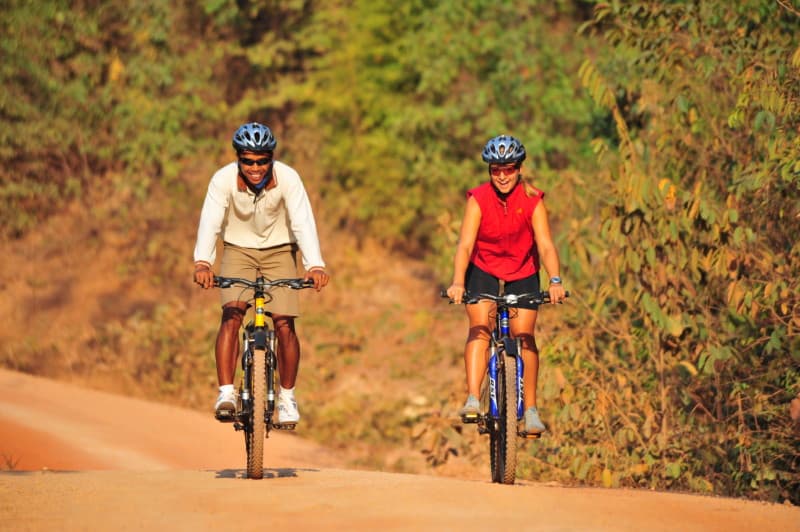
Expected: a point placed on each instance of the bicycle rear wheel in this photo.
(254, 432)
(503, 433)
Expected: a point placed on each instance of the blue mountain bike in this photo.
(502, 400)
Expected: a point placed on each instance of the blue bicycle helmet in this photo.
(254, 137)
(503, 149)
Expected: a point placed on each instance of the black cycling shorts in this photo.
(478, 281)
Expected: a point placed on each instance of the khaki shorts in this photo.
(279, 262)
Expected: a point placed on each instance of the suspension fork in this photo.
(247, 364)
(272, 361)
(263, 343)
(511, 348)
(254, 337)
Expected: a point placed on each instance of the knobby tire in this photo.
(503, 431)
(495, 445)
(255, 435)
(510, 420)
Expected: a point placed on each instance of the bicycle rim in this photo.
(255, 434)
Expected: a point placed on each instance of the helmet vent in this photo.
(254, 137)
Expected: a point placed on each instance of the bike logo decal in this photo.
(493, 396)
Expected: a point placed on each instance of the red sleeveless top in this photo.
(505, 246)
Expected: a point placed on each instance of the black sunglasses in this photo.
(258, 162)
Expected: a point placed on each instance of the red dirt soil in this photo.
(78, 459)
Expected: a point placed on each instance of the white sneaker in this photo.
(287, 410)
(226, 403)
(533, 424)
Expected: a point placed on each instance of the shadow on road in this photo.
(286, 472)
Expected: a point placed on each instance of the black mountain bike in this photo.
(254, 413)
(502, 401)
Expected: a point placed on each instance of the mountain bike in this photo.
(256, 400)
(502, 400)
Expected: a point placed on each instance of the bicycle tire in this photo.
(509, 422)
(495, 446)
(254, 434)
(496, 433)
(503, 432)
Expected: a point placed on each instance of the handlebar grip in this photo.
(295, 284)
(221, 283)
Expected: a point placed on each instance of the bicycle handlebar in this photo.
(509, 300)
(261, 283)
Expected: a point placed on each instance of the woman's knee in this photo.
(479, 332)
(528, 342)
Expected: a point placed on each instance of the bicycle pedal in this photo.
(529, 435)
(470, 418)
(225, 416)
(284, 426)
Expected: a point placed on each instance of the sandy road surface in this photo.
(125, 464)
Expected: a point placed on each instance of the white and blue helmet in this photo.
(254, 137)
(503, 149)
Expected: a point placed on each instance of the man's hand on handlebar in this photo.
(318, 276)
(204, 276)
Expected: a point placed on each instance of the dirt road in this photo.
(114, 463)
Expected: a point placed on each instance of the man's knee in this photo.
(284, 326)
(232, 317)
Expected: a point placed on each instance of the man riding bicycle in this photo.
(503, 233)
(258, 206)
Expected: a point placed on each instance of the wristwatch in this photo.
(555, 280)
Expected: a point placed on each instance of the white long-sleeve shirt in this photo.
(280, 214)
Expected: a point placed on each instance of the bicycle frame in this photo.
(257, 338)
(259, 362)
(504, 380)
(502, 343)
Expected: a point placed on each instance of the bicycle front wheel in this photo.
(503, 434)
(254, 435)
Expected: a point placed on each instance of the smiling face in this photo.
(254, 166)
(504, 176)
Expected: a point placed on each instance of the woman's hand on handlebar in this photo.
(319, 276)
(557, 293)
(456, 293)
(204, 276)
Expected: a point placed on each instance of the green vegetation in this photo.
(665, 134)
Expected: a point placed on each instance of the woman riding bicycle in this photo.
(504, 233)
